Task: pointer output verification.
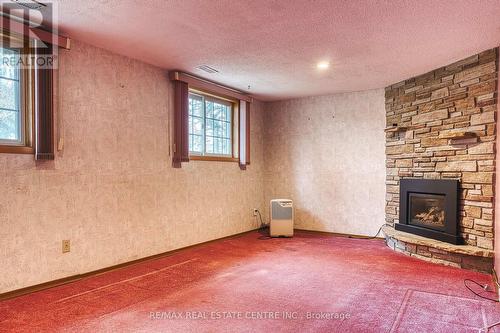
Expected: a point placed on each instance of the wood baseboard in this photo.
(73, 278)
(338, 234)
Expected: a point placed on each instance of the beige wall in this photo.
(327, 154)
(113, 193)
(112, 190)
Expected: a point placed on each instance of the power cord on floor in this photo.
(488, 328)
(484, 287)
(263, 229)
(369, 237)
(262, 225)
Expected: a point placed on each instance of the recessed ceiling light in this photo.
(323, 65)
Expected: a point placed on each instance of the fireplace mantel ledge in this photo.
(418, 240)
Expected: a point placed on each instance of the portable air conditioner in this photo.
(281, 218)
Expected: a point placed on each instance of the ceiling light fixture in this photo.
(322, 65)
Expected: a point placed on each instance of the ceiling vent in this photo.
(30, 4)
(207, 69)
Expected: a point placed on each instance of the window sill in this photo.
(212, 158)
(16, 150)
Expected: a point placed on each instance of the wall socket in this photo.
(66, 246)
(255, 210)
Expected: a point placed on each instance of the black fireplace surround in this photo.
(429, 208)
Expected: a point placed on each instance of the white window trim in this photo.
(231, 104)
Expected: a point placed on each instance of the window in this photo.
(11, 118)
(15, 111)
(210, 126)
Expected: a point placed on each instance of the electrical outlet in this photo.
(60, 144)
(255, 210)
(66, 246)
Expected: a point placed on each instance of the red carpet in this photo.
(310, 283)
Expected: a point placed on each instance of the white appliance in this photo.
(281, 211)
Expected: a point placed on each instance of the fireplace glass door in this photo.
(427, 210)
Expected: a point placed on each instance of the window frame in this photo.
(234, 139)
(27, 107)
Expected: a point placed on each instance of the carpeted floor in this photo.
(310, 283)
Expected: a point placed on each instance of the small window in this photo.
(15, 108)
(210, 126)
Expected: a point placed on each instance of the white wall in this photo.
(327, 153)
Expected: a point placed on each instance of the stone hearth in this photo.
(462, 256)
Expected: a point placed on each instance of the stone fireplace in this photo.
(428, 207)
(441, 127)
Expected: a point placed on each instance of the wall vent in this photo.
(207, 69)
(30, 4)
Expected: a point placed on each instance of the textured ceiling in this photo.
(274, 46)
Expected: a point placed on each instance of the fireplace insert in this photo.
(429, 208)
